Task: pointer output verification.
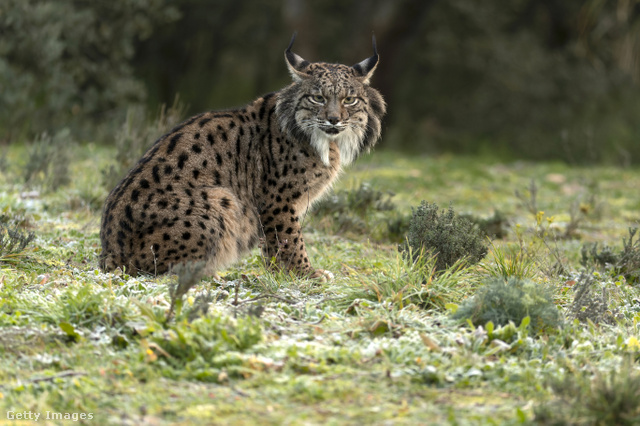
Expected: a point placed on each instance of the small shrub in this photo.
(591, 302)
(13, 242)
(448, 236)
(625, 262)
(502, 301)
(361, 201)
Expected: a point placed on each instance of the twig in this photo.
(265, 296)
(57, 376)
(238, 391)
(328, 299)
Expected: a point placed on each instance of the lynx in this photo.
(221, 182)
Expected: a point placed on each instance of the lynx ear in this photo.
(366, 68)
(295, 63)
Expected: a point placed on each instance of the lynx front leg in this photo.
(286, 246)
(284, 242)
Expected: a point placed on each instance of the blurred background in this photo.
(531, 79)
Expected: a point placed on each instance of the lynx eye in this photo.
(317, 99)
(350, 100)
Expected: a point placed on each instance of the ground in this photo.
(375, 345)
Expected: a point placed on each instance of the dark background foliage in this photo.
(535, 79)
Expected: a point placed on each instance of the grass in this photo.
(377, 344)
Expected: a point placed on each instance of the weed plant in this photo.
(446, 235)
(208, 348)
(510, 261)
(529, 198)
(625, 262)
(502, 301)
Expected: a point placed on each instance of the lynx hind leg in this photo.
(211, 227)
(226, 229)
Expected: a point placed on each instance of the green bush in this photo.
(444, 234)
(64, 61)
(502, 301)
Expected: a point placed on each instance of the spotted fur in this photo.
(220, 182)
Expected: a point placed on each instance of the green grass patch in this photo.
(377, 344)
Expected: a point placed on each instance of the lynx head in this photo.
(331, 102)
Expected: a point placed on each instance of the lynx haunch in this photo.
(221, 181)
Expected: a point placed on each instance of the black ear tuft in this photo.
(295, 63)
(293, 38)
(365, 68)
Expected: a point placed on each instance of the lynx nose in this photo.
(333, 119)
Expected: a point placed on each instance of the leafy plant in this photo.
(207, 346)
(502, 301)
(625, 262)
(446, 235)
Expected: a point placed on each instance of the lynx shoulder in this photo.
(220, 182)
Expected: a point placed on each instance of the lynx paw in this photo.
(321, 275)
